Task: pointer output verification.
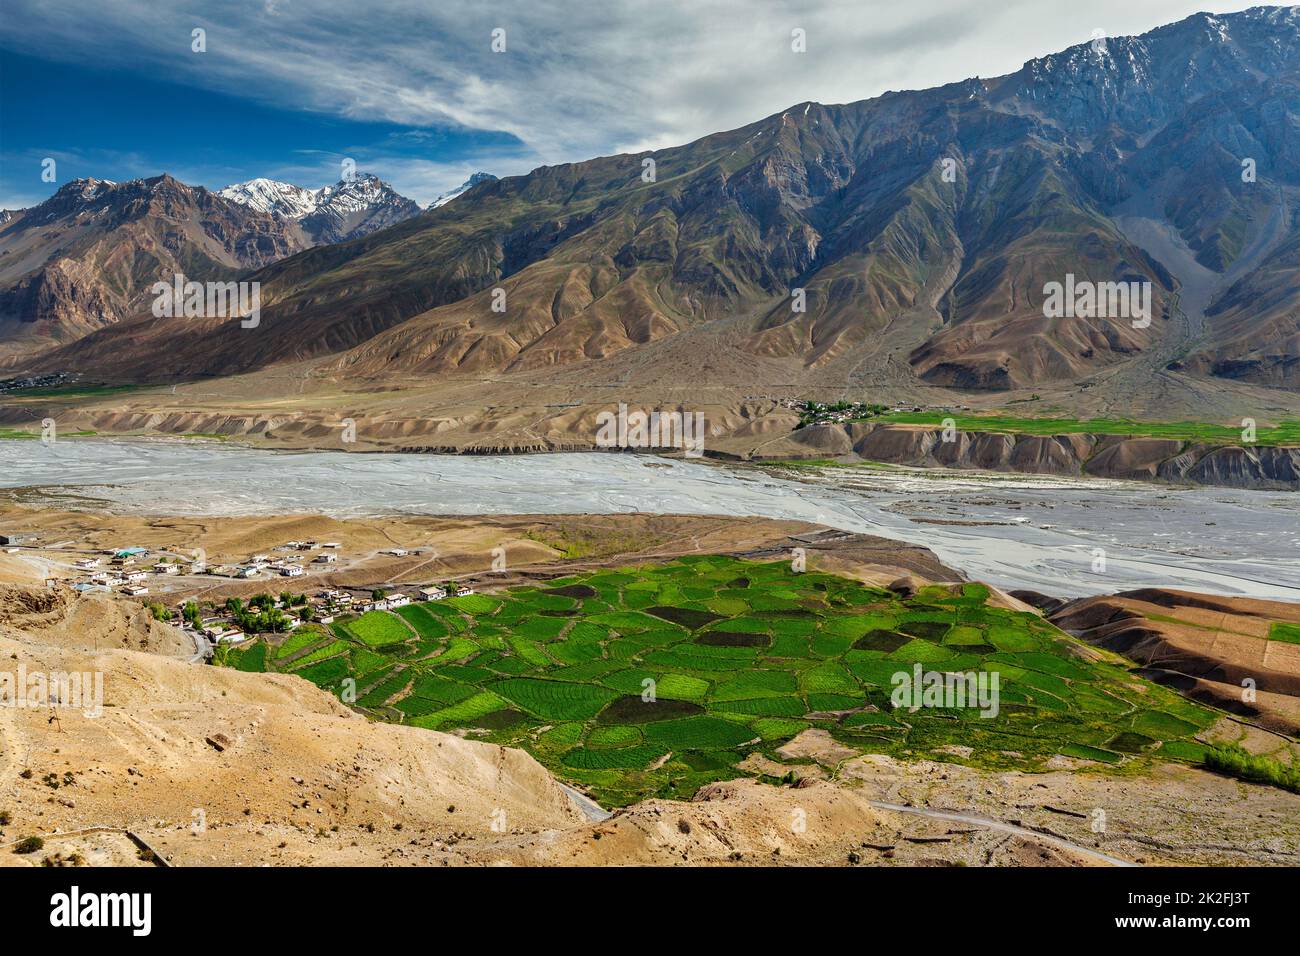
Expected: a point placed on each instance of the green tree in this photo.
(159, 611)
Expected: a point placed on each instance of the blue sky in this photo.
(413, 91)
(89, 121)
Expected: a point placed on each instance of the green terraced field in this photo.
(1282, 631)
(378, 628)
(654, 680)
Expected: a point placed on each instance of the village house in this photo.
(168, 568)
(432, 593)
(220, 633)
(132, 577)
(326, 558)
(291, 571)
(135, 590)
(87, 563)
(398, 600)
(464, 590)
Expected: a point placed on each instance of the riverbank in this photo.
(754, 429)
(1039, 533)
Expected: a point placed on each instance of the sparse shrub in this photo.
(1234, 760)
(29, 844)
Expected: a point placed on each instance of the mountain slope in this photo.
(922, 228)
(87, 257)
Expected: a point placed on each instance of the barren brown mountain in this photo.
(905, 241)
(87, 257)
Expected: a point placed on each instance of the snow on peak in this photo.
(479, 177)
(363, 191)
(270, 196)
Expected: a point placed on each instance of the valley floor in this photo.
(207, 764)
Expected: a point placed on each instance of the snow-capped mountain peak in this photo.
(270, 196)
(479, 177)
(347, 209)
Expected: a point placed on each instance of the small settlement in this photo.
(159, 579)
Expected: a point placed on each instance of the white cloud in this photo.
(578, 78)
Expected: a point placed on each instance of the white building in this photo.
(432, 593)
(464, 590)
(398, 600)
(326, 558)
(291, 571)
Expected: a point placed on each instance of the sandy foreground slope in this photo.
(202, 765)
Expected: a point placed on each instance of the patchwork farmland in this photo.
(654, 680)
